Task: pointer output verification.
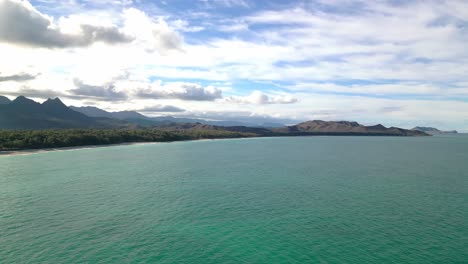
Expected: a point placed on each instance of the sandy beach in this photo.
(38, 151)
(8, 153)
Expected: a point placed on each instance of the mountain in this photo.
(316, 127)
(259, 131)
(24, 113)
(345, 128)
(97, 112)
(146, 121)
(128, 115)
(163, 120)
(4, 100)
(433, 131)
(92, 111)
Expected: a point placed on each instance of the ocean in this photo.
(262, 200)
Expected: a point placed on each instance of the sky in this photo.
(398, 63)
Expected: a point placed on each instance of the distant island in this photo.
(26, 124)
(433, 131)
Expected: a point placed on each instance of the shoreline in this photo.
(24, 152)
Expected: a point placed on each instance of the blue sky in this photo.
(400, 63)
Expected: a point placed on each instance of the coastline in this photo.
(24, 152)
(23, 142)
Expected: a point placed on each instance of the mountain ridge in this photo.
(142, 120)
(4, 100)
(433, 130)
(24, 113)
(345, 127)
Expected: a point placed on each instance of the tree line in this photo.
(55, 138)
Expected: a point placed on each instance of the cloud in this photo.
(35, 93)
(240, 116)
(390, 89)
(110, 35)
(22, 24)
(17, 77)
(105, 92)
(391, 109)
(110, 2)
(180, 90)
(260, 98)
(184, 25)
(162, 109)
(226, 3)
(154, 34)
(233, 27)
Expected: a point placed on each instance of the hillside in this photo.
(97, 112)
(345, 128)
(4, 100)
(258, 131)
(433, 131)
(147, 121)
(24, 113)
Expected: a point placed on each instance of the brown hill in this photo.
(345, 128)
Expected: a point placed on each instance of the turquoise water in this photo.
(268, 200)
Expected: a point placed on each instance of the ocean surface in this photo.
(265, 200)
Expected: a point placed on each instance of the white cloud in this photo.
(153, 33)
(161, 109)
(403, 88)
(226, 3)
(110, 2)
(20, 77)
(179, 90)
(104, 92)
(260, 98)
(233, 27)
(22, 24)
(184, 26)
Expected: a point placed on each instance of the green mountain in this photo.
(131, 116)
(97, 112)
(24, 113)
(92, 111)
(4, 100)
(258, 131)
(146, 121)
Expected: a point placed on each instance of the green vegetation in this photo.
(42, 139)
